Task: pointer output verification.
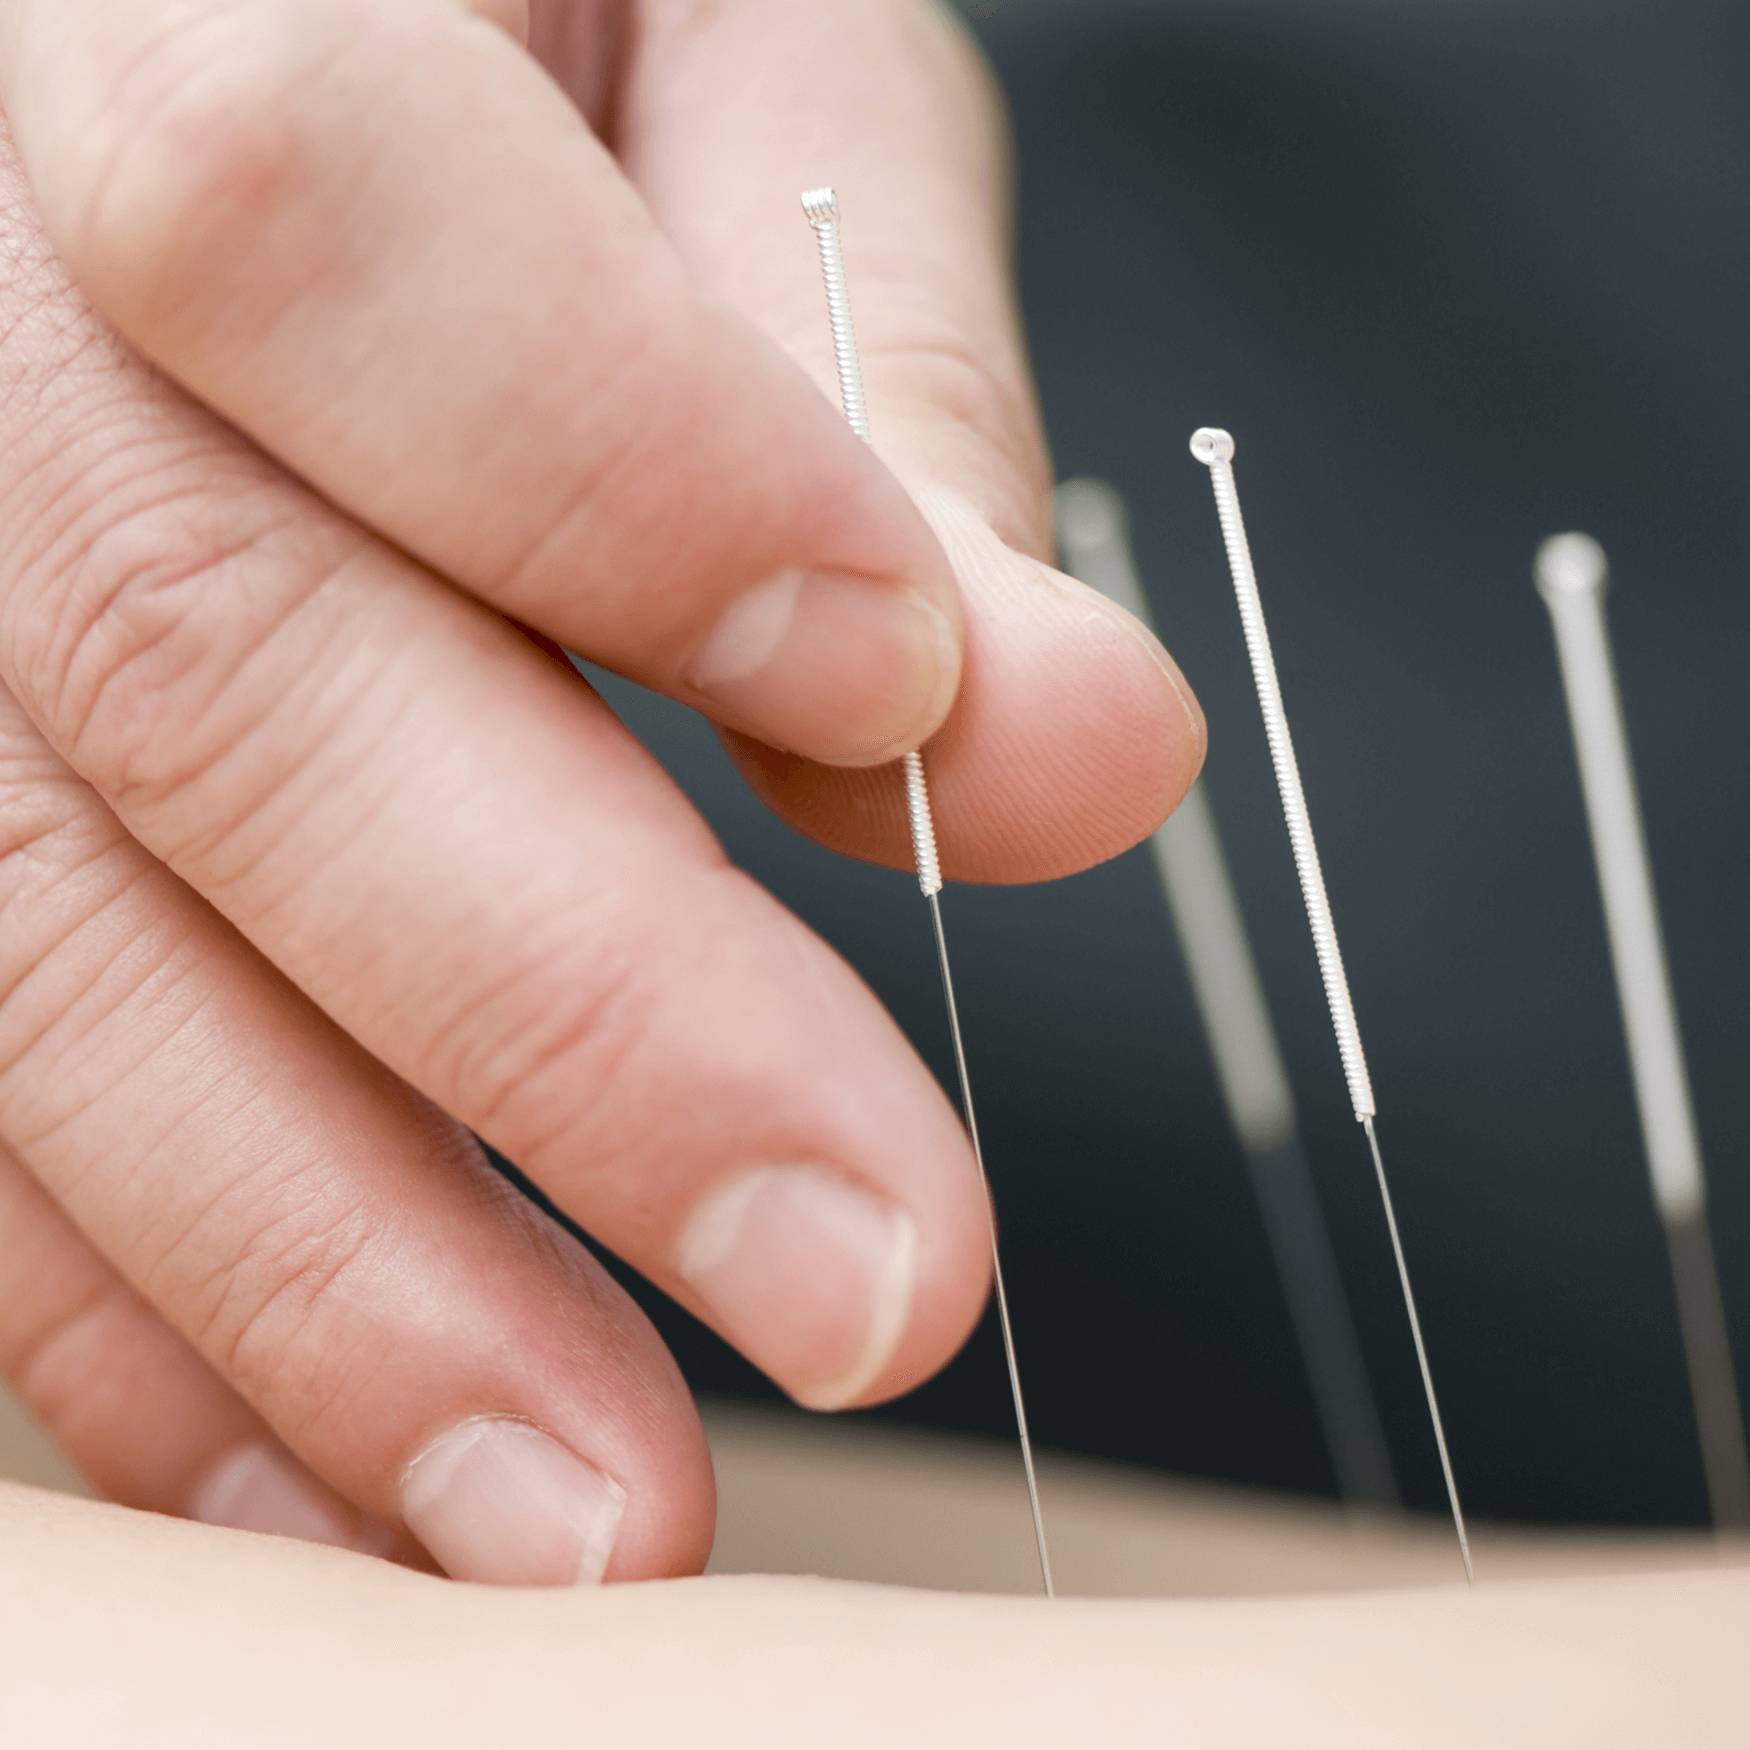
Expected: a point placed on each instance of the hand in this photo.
(314, 856)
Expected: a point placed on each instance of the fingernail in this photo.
(810, 1277)
(259, 1488)
(840, 668)
(496, 1499)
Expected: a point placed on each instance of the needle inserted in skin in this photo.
(822, 207)
(1571, 577)
(1215, 450)
(1092, 533)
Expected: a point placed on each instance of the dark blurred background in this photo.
(1458, 274)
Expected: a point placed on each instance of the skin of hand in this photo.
(198, 1626)
(352, 358)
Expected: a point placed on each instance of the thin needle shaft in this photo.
(995, 1260)
(822, 207)
(1215, 450)
(1397, 1246)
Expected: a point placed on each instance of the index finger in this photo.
(380, 240)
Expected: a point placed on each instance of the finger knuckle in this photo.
(533, 1053)
(131, 646)
(648, 1031)
(65, 869)
(35, 816)
(190, 140)
(153, 560)
(273, 1308)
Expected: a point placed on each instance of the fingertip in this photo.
(499, 1500)
(765, 1242)
(1187, 757)
(950, 1285)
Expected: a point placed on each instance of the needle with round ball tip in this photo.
(1094, 542)
(1215, 449)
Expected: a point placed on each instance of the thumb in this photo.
(1073, 733)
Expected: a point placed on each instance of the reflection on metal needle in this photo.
(1093, 539)
(1571, 576)
(1215, 449)
(822, 207)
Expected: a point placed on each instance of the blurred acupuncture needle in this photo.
(1215, 450)
(822, 208)
(1572, 575)
(1093, 539)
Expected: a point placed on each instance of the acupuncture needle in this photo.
(822, 208)
(1572, 575)
(1215, 449)
(1093, 542)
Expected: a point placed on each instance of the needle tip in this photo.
(1570, 565)
(1210, 444)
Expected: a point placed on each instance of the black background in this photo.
(1457, 275)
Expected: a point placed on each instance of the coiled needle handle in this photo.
(1215, 449)
(822, 208)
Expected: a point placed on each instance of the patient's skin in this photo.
(125, 1628)
(354, 358)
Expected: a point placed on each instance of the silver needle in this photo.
(1092, 532)
(1571, 576)
(822, 207)
(1215, 450)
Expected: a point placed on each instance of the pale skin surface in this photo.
(201, 1629)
